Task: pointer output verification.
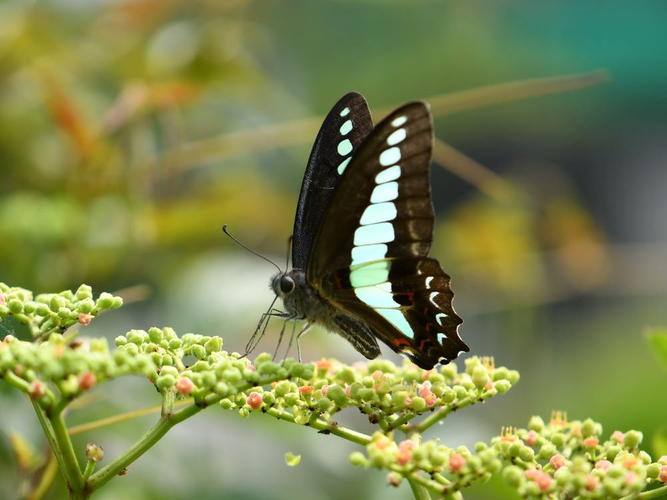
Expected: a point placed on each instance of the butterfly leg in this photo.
(261, 330)
(280, 337)
(298, 340)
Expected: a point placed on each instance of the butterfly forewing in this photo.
(369, 257)
(343, 130)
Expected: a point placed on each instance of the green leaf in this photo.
(291, 459)
(657, 339)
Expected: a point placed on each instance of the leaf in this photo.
(26, 455)
(657, 339)
(291, 459)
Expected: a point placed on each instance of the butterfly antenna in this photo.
(224, 230)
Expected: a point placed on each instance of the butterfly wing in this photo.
(370, 254)
(344, 129)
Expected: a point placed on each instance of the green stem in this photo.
(321, 425)
(50, 436)
(144, 443)
(648, 495)
(69, 464)
(418, 490)
(90, 467)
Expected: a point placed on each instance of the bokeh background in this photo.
(130, 131)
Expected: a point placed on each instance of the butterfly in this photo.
(363, 228)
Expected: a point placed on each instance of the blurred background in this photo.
(130, 131)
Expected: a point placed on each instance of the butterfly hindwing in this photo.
(343, 130)
(370, 255)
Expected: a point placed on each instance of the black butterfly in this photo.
(363, 229)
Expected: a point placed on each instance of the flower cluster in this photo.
(570, 459)
(390, 395)
(53, 312)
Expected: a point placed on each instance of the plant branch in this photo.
(69, 464)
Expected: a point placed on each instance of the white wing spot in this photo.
(428, 281)
(439, 317)
(389, 156)
(396, 137)
(346, 127)
(343, 165)
(389, 174)
(375, 233)
(397, 122)
(433, 296)
(378, 212)
(385, 192)
(441, 337)
(344, 147)
(345, 112)
(368, 253)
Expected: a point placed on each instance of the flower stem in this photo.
(68, 464)
(144, 443)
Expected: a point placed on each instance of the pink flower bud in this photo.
(591, 442)
(456, 462)
(531, 473)
(531, 438)
(394, 479)
(591, 482)
(376, 374)
(557, 461)
(347, 390)
(323, 364)
(325, 389)
(663, 474)
(84, 319)
(184, 386)
(404, 457)
(630, 478)
(543, 481)
(37, 389)
(2, 300)
(618, 436)
(87, 381)
(254, 400)
(427, 374)
(603, 464)
(251, 368)
(306, 389)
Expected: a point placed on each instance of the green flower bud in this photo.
(226, 404)
(175, 344)
(399, 398)
(514, 449)
(323, 404)
(165, 382)
(547, 451)
(369, 395)
(105, 301)
(199, 352)
(15, 306)
(282, 389)
(232, 375)
(502, 386)
(513, 376)
(536, 423)
(633, 439)
(29, 307)
(300, 416)
(64, 313)
(653, 470)
(354, 390)
(418, 403)
(292, 398)
(56, 302)
(84, 292)
(558, 439)
(612, 451)
(461, 392)
(244, 412)
(500, 373)
(513, 476)
(337, 394)
(526, 454)
(117, 302)
(136, 337)
(85, 306)
(213, 345)
(358, 458)
(155, 335)
(268, 398)
(120, 341)
(42, 310)
(612, 486)
(563, 477)
(588, 428)
(480, 376)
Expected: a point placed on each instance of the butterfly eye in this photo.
(286, 284)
